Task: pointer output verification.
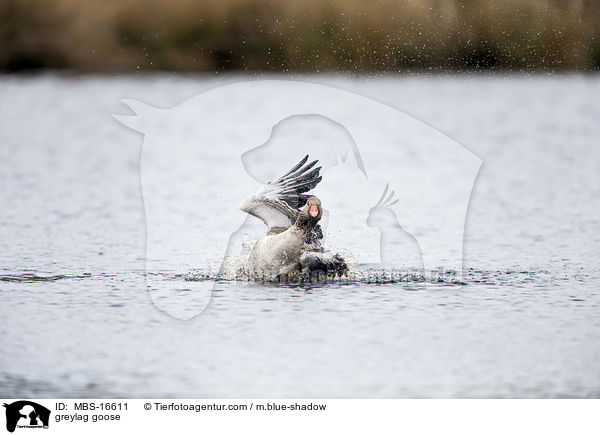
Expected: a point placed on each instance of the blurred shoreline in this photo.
(294, 36)
(301, 76)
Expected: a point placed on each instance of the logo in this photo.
(204, 157)
(26, 414)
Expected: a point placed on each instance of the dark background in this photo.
(353, 36)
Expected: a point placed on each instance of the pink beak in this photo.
(314, 211)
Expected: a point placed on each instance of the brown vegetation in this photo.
(299, 35)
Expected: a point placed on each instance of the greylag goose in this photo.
(291, 249)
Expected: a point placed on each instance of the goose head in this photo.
(310, 214)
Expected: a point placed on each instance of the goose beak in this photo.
(314, 211)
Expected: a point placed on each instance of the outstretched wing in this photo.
(277, 203)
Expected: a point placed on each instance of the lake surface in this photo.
(523, 321)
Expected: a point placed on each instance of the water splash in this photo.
(232, 270)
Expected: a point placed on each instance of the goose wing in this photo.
(277, 203)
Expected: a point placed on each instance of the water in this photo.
(523, 321)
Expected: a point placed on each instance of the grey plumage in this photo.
(292, 246)
(278, 202)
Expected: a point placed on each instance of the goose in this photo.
(291, 249)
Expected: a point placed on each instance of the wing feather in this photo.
(277, 203)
